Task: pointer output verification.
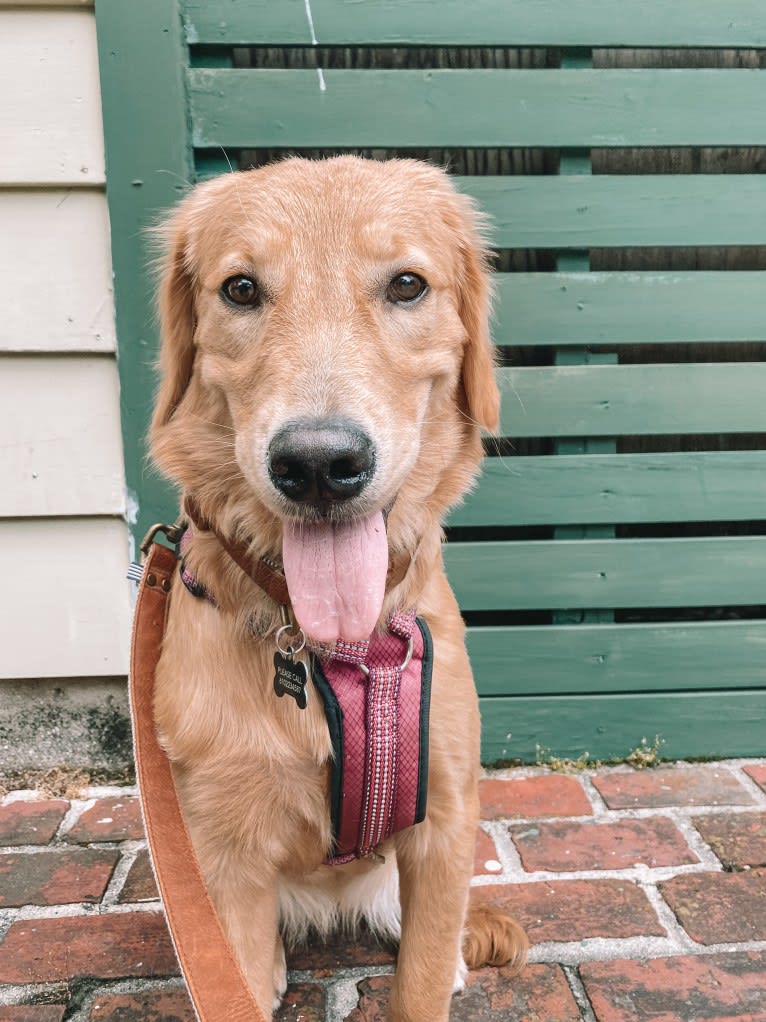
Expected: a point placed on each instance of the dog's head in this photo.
(325, 362)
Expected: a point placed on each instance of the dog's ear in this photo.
(474, 302)
(175, 304)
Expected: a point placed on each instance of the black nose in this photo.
(321, 462)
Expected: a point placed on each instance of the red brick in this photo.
(486, 855)
(541, 992)
(303, 1002)
(139, 884)
(564, 846)
(719, 908)
(30, 823)
(758, 773)
(32, 1013)
(340, 952)
(55, 877)
(719, 988)
(102, 946)
(373, 1000)
(564, 910)
(738, 839)
(148, 1006)
(672, 786)
(544, 795)
(109, 819)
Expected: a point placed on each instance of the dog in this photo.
(325, 373)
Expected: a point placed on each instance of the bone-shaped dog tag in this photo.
(290, 678)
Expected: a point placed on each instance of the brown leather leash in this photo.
(215, 981)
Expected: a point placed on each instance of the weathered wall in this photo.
(63, 540)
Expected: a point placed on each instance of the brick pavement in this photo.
(643, 893)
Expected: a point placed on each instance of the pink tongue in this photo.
(336, 575)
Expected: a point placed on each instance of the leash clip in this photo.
(172, 533)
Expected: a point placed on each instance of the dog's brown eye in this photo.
(241, 291)
(406, 287)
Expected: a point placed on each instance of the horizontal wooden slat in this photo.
(618, 210)
(66, 614)
(50, 108)
(629, 308)
(693, 724)
(611, 489)
(287, 108)
(55, 279)
(610, 211)
(491, 23)
(62, 447)
(588, 659)
(594, 400)
(610, 573)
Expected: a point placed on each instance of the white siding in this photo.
(66, 616)
(50, 101)
(55, 282)
(63, 540)
(62, 446)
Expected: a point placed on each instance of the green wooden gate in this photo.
(612, 563)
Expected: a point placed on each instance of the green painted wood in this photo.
(606, 211)
(693, 724)
(630, 308)
(594, 687)
(608, 573)
(622, 210)
(727, 23)
(722, 397)
(148, 168)
(602, 489)
(608, 658)
(560, 108)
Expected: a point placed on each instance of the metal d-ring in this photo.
(172, 532)
(291, 650)
(402, 667)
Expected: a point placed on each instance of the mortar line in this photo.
(119, 875)
(579, 993)
(77, 807)
(594, 796)
(697, 843)
(667, 917)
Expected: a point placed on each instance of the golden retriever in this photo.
(345, 301)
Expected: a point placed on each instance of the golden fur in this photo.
(323, 239)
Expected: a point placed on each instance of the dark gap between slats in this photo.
(467, 162)
(658, 615)
(380, 58)
(521, 447)
(640, 530)
(636, 616)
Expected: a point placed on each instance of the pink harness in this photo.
(376, 698)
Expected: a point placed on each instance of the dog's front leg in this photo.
(248, 914)
(435, 868)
